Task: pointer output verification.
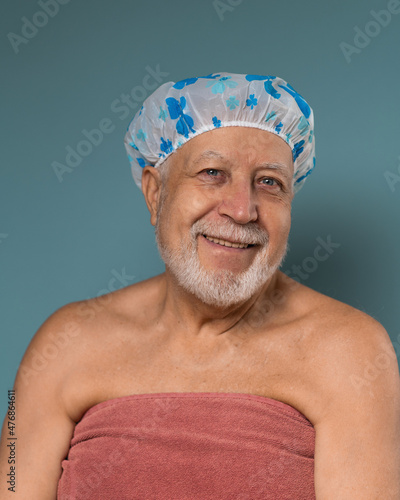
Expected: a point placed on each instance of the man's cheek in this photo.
(277, 221)
(286, 223)
(199, 204)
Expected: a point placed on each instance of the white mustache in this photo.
(247, 234)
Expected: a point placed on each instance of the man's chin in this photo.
(222, 288)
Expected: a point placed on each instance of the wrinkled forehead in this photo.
(241, 147)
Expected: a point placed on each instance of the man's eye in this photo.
(269, 181)
(211, 171)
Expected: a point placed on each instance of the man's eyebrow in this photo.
(280, 167)
(209, 155)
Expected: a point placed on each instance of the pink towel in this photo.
(190, 446)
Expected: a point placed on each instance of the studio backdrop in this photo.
(74, 225)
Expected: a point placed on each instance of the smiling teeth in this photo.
(227, 243)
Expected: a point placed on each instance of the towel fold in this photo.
(190, 446)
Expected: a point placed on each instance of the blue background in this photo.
(63, 241)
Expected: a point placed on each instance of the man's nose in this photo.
(239, 203)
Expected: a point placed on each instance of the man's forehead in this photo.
(210, 155)
(256, 148)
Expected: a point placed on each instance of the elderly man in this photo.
(222, 378)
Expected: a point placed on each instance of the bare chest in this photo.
(273, 366)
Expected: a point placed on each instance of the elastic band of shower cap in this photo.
(176, 112)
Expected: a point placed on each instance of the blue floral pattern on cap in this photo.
(166, 146)
(133, 145)
(185, 122)
(141, 135)
(267, 84)
(232, 102)
(176, 112)
(298, 149)
(216, 122)
(220, 86)
(251, 101)
(163, 114)
(191, 81)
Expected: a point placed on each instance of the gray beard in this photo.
(221, 288)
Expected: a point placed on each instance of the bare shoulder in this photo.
(58, 378)
(351, 330)
(331, 319)
(132, 303)
(352, 359)
(50, 346)
(81, 338)
(41, 409)
(353, 401)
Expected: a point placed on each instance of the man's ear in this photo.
(151, 188)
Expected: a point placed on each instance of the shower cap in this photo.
(176, 112)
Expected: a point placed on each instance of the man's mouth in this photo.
(226, 243)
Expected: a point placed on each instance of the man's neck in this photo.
(182, 313)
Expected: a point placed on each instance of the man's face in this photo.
(223, 216)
